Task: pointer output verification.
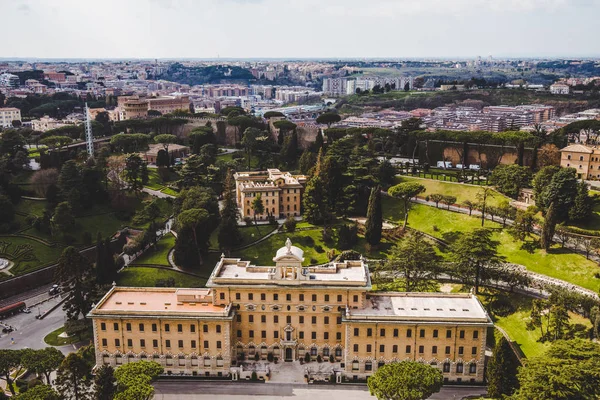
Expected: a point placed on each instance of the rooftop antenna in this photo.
(88, 132)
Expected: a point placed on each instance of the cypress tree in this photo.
(109, 261)
(100, 258)
(502, 371)
(228, 232)
(315, 196)
(374, 221)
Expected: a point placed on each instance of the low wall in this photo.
(43, 276)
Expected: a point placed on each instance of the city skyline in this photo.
(262, 29)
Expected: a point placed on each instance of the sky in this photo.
(299, 28)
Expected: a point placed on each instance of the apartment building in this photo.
(281, 193)
(8, 115)
(585, 159)
(559, 88)
(291, 311)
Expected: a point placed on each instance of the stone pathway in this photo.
(287, 372)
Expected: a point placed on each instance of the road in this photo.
(30, 332)
(226, 390)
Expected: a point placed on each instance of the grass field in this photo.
(249, 234)
(159, 253)
(514, 325)
(462, 192)
(53, 340)
(591, 223)
(43, 255)
(33, 207)
(447, 225)
(147, 277)
(155, 182)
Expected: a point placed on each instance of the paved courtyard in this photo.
(225, 390)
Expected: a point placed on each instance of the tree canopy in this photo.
(406, 380)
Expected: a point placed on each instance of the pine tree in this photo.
(501, 371)
(374, 221)
(105, 383)
(73, 378)
(72, 272)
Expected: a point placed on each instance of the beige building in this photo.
(281, 193)
(585, 159)
(8, 115)
(287, 311)
(175, 151)
(132, 107)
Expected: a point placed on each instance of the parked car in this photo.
(474, 167)
(55, 289)
(26, 311)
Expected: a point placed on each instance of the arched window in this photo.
(313, 351)
(354, 365)
(446, 367)
(251, 350)
(338, 352)
(239, 350)
(219, 361)
(169, 360)
(182, 361)
(459, 368)
(207, 361)
(368, 366)
(380, 364)
(194, 361)
(473, 368)
(326, 352)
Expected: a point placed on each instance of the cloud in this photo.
(24, 8)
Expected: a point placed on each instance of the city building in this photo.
(132, 107)
(281, 193)
(175, 151)
(169, 104)
(8, 115)
(9, 80)
(585, 159)
(46, 123)
(290, 311)
(559, 88)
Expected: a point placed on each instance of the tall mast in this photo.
(88, 132)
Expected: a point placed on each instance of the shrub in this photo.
(256, 356)
(307, 357)
(290, 224)
(270, 357)
(319, 358)
(331, 254)
(313, 261)
(327, 234)
(331, 358)
(68, 239)
(349, 255)
(319, 249)
(307, 241)
(435, 228)
(254, 377)
(272, 220)
(332, 378)
(248, 221)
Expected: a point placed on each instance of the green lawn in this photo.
(53, 340)
(33, 207)
(311, 242)
(155, 182)
(461, 191)
(263, 252)
(448, 225)
(147, 277)
(158, 254)
(229, 157)
(514, 325)
(41, 254)
(249, 234)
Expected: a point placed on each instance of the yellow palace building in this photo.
(287, 311)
